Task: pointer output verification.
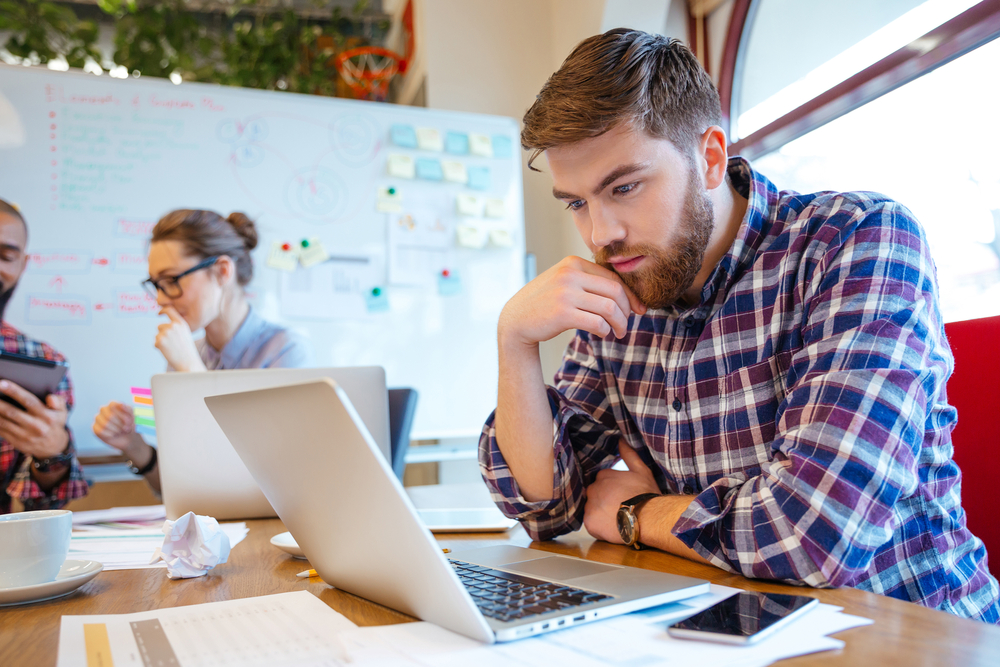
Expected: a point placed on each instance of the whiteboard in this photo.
(420, 266)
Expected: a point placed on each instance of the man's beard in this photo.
(5, 298)
(668, 274)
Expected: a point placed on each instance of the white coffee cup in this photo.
(33, 546)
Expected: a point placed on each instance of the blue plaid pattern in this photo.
(801, 404)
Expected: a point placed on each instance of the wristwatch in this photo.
(57, 461)
(628, 519)
(136, 470)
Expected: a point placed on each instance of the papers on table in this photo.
(297, 628)
(120, 514)
(122, 547)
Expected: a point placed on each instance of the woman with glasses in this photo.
(199, 265)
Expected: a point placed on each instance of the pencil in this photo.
(307, 573)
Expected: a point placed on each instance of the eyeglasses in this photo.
(171, 286)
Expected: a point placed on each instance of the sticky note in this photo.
(495, 208)
(471, 237)
(377, 300)
(449, 285)
(454, 171)
(401, 166)
(456, 143)
(145, 430)
(403, 135)
(388, 200)
(283, 256)
(144, 412)
(429, 139)
(429, 169)
(502, 146)
(467, 205)
(501, 238)
(481, 145)
(313, 253)
(479, 178)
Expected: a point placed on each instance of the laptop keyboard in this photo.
(510, 597)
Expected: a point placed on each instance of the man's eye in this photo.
(576, 204)
(625, 189)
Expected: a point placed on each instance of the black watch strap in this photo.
(635, 501)
(136, 470)
(57, 461)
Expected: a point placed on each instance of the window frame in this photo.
(966, 32)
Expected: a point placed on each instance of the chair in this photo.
(402, 407)
(974, 390)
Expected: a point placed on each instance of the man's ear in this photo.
(714, 156)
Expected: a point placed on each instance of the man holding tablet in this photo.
(770, 366)
(38, 464)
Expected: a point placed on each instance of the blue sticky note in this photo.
(449, 285)
(456, 143)
(145, 430)
(429, 169)
(404, 135)
(502, 146)
(479, 178)
(377, 300)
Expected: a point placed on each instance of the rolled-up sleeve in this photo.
(585, 440)
(859, 403)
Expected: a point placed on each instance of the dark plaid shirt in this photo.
(801, 404)
(15, 467)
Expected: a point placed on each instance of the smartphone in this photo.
(745, 618)
(39, 376)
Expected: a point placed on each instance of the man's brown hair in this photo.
(650, 82)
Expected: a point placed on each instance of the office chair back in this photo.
(402, 407)
(974, 390)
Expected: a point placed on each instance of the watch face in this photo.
(626, 525)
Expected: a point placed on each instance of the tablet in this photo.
(39, 376)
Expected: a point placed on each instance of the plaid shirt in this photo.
(15, 467)
(801, 404)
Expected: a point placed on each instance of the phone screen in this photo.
(745, 614)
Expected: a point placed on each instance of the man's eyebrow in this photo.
(618, 172)
(10, 246)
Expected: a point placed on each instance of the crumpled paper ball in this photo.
(193, 545)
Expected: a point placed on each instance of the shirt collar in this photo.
(762, 205)
(238, 345)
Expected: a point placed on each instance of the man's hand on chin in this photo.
(610, 490)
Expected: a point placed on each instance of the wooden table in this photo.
(904, 634)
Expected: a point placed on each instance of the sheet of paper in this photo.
(401, 166)
(283, 256)
(501, 238)
(312, 253)
(120, 514)
(429, 139)
(328, 291)
(467, 205)
(125, 548)
(495, 208)
(481, 145)
(284, 629)
(454, 171)
(388, 199)
(470, 236)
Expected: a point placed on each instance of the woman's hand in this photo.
(175, 342)
(115, 425)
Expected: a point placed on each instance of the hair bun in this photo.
(244, 227)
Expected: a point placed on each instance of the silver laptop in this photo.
(200, 472)
(359, 530)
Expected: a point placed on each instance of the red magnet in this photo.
(286, 246)
(445, 273)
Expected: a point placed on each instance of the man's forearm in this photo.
(657, 519)
(524, 421)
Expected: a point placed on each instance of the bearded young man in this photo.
(770, 366)
(38, 464)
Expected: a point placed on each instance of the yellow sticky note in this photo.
(467, 205)
(401, 166)
(481, 145)
(429, 139)
(312, 253)
(454, 171)
(501, 237)
(471, 237)
(495, 208)
(389, 200)
(283, 256)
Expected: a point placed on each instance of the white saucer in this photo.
(287, 543)
(72, 575)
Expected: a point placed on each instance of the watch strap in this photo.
(136, 470)
(59, 460)
(633, 505)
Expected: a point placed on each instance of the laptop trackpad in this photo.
(559, 568)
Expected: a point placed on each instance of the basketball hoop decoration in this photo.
(367, 71)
